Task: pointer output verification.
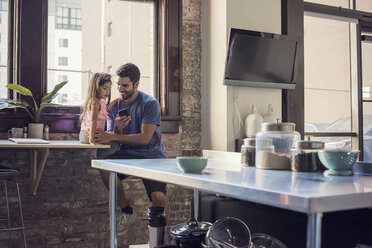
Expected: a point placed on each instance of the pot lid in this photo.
(250, 142)
(284, 126)
(192, 229)
(311, 145)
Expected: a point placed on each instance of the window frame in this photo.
(63, 42)
(33, 26)
(62, 61)
(69, 18)
(2, 4)
(363, 24)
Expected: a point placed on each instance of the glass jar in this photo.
(273, 145)
(248, 152)
(305, 156)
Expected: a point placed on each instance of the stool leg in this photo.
(21, 213)
(7, 202)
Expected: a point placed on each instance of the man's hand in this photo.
(122, 122)
(102, 137)
(92, 141)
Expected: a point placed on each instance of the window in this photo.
(63, 61)
(4, 5)
(364, 5)
(3, 47)
(68, 18)
(109, 69)
(63, 42)
(90, 50)
(336, 3)
(62, 78)
(109, 29)
(146, 41)
(337, 77)
(327, 78)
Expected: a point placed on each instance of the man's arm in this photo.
(143, 138)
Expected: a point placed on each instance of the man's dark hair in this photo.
(129, 70)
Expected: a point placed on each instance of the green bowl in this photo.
(338, 162)
(192, 164)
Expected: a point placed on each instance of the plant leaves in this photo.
(20, 89)
(47, 104)
(48, 97)
(7, 103)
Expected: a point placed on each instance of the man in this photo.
(138, 134)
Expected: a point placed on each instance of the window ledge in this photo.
(69, 123)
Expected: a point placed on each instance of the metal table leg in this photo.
(196, 204)
(314, 230)
(112, 206)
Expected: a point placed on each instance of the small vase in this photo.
(253, 123)
(35, 130)
(269, 116)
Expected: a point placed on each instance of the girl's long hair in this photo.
(98, 79)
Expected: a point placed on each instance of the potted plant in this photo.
(35, 129)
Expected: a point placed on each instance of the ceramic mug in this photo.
(15, 132)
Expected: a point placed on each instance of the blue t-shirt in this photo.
(145, 109)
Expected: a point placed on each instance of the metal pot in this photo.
(304, 157)
(190, 234)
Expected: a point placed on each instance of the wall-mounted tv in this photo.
(263, 60)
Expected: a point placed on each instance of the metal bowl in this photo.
(338, 162)
(228, 232)
(260, 240)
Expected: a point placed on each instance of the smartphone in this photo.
(123, 112)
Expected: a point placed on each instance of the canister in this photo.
(248, 152)
(304, 157)
(273, 145)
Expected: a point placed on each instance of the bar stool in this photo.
(8, 175)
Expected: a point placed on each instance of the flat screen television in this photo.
(258, 59)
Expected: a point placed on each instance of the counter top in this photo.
(36, 170)
(51, 144)
(298, 191)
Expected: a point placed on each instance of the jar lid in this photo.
(285, 126)
(306, 144)
(192, 229)
(249, 142)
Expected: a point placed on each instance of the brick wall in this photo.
(71, 207)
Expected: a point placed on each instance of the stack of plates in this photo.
(362, 168)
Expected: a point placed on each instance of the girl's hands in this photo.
(101, 137)
(122, 122)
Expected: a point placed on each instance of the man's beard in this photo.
(128, 95)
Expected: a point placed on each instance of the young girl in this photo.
(94, 114)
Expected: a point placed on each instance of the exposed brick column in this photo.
(191, 49)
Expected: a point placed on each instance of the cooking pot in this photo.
(190, 234)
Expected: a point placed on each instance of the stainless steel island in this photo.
(309, 193)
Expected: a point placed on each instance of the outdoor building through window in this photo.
(100, 37)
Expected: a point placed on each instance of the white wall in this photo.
(214, 95)
(218, 101)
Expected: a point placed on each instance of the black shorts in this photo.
(150, 185)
